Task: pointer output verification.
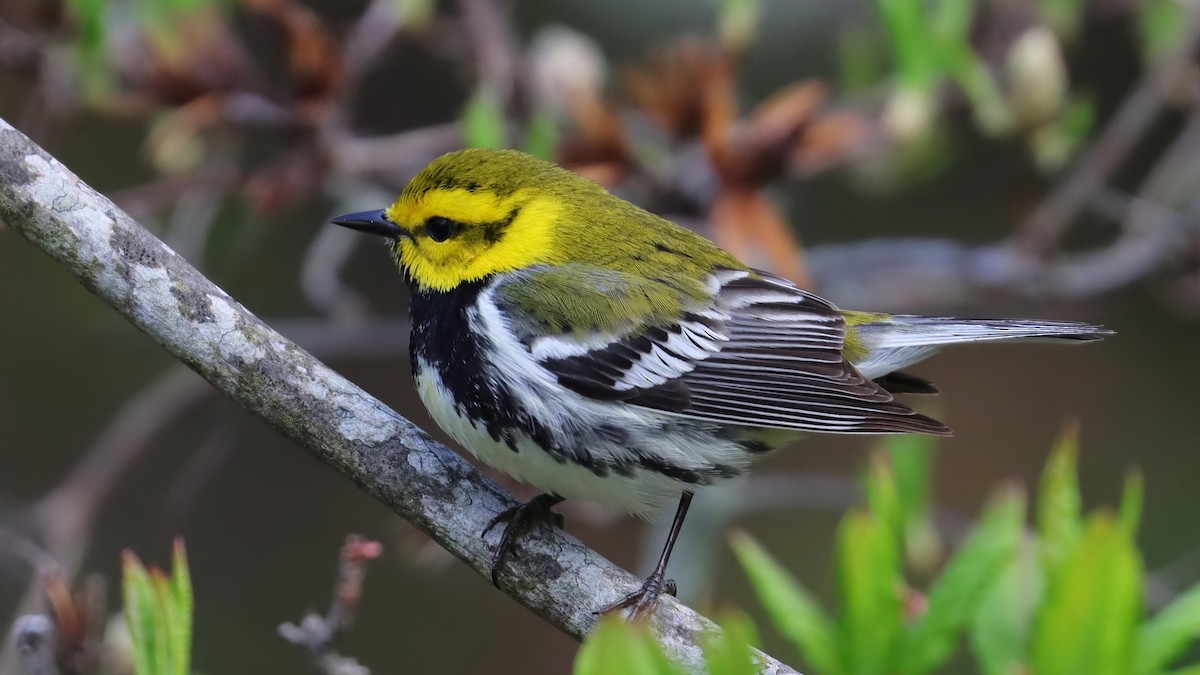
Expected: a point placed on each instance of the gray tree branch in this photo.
(557, 577)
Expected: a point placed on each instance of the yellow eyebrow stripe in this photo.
(459, 204)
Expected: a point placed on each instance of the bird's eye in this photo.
(440, 228)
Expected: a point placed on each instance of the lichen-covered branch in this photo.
(556, 576)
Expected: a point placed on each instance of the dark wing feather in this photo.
(906, 383)
(767, 354)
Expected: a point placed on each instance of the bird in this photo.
(597, 351)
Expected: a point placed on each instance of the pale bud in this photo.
(909, 114)
(566, 66)
(116, 650)
(1037, 77)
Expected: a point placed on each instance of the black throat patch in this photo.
(441, 338)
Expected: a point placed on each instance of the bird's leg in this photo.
(519, 518)
(656, 583)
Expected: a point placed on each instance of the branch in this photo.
(556, 576)
(318, 634)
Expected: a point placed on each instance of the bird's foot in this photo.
(519, 519)
(642, 599)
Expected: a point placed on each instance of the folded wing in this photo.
(763, 354)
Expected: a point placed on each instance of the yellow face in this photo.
(456, 235)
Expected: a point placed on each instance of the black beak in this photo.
(371, 222)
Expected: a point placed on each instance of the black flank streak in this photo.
(613, 433)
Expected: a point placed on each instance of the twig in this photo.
(195, 212)
(557, 577)
(36, 639)
(324, 259)
(403, 151)
(319, 634)
(18, 544)
(191, 477)
(159, 192)
(374, 30)
(913, 274)
(489, 34)
(67, 638)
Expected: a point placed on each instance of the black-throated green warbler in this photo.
(596, 351)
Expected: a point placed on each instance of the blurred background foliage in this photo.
(1065, 597)
(985, 157)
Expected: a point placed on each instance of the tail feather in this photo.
(921, 331)
(905, 383)
(898, 341)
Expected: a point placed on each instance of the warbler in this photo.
(597, 351)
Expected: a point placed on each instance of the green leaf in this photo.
(861, 64)
(952, 21)
(956, 55)
(138, 596)
(182, 606)
(1063, 16)
(884, 499)
(1092, 607)
(92, 19)
(1001, 626)
(1056, 143)
(1169, 633)
(160, 586)
(1187, 670)
(731, 652)
(1161, 23)
(616, 646)
(89, 16)
(483, 121)
(912, 461)
(870, 586)
(972, 74)
(737, 21)
(962, 586)
(413, 13)
(913, 49)
(158, 611)
(795, 614)
(1058, 509)
(542, 136)
(1131, 502)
